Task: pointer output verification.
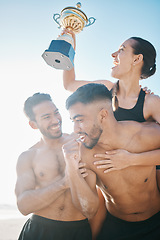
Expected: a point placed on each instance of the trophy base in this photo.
(59, 55)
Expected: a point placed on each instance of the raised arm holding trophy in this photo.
(60, 53)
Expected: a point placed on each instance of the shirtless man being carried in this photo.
(42, 186)
(132, 196)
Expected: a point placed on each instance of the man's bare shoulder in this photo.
(31, 151)
(135, 127)
(25, 158)
(152, 107)
(145, 132)
(139, 126)
(150, 126)
(150, 98)
(149, 135)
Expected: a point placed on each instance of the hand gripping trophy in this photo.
(60, 53)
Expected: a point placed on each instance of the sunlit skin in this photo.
(125, 62)
(89, 138)
(136, 196)
(48, 120)
(42, 186)
(127, 69)
(131, 193)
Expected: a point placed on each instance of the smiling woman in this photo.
(135, 60)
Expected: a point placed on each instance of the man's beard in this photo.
(49, 135)
(93, 140)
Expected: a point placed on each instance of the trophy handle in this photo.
(91, 20)
(56, 16)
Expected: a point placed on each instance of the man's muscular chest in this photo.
(116, 182)
(48, 165)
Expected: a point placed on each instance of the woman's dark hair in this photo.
(140, 46)
(34, 100)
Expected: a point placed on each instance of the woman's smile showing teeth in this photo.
(115, 63)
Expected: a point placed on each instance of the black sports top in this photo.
(135, 113)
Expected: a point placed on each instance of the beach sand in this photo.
(11, 222)
(10, 228)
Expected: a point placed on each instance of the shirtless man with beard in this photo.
(131, 194)
(42, 185)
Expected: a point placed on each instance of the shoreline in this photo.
(11, 228)
(11, 222)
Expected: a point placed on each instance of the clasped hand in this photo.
(113, 160)
(72, 155)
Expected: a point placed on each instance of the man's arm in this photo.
(97, 221)
(83, 191)
(120, 158)
(30, 199)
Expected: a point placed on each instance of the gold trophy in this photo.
(60, 53)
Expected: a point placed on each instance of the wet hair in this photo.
(89, 93)
(144, 47)
(32, 101)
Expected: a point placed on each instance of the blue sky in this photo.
(27, 29)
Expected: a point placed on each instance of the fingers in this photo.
(79, 147)
(102, 162)
(146, 90)
(67, 30)
(70, 146)
(100, 155)
(72, 150)
(107, 166)
(64, 31)
(110, 170)
(83, 170)
(105, 155)
(112, 152)
(81, 165)
(84, 174)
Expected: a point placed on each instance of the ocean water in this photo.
(9, 212)
(11, 222)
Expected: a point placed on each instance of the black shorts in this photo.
(116, 229)
(40, 228)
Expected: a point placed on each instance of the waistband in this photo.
(155, 218)
(44, 220)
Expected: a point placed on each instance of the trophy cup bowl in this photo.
(60, 53)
